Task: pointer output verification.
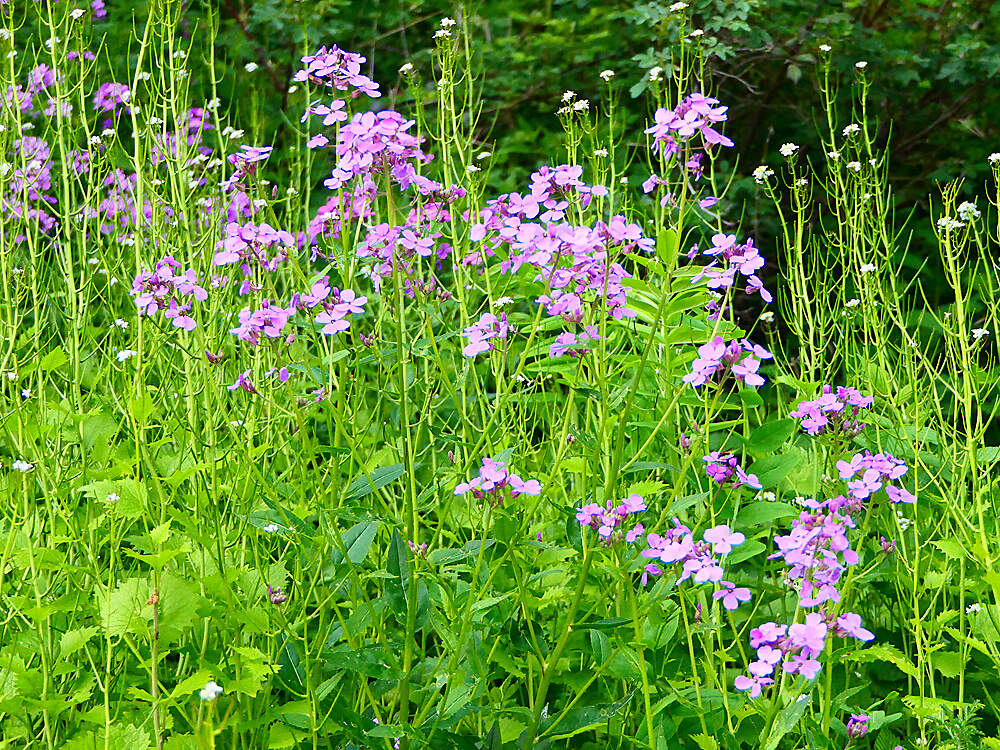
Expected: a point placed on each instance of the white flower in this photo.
(568, 96)
(853, 302)
(601, 152)
(787, 149)
(861, 64)
(606, 75)
(855, 165)
(868, 268)
(948, 224)
(655, 73)
(978, 333)
(180, 54)
(94, 140)
(250, 67)
(825, 48)
(851, 129)
(52, 42)
(144, 76)
(292, 89)
(447, 23)
(112, 497)
(967, 211)
(502, 301)
(696, 33)
(11, 375)
(211, 691)
(213, 103)
(125, 354)
(4, 34)
(442, 34)
(405, 69)
(677, 7)
(768, 496)
(22, 466)
(26, 393)
(767, 316)
(582, 105)
(270, 528)
(77, 13)
(472, 168)
(803, 182)
(761, 173)
(484, 154)
(974, 607)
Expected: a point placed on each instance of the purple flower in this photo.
(731, 596)
(753, 686)
(716, 357)
(338, 69)
(810, 636)
(609, 520)
(484, 334)
(857, 726)
(723, 539)
(496, 481)
(834, 412)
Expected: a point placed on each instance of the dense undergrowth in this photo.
(354, 452)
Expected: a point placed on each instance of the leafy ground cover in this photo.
(348, 449)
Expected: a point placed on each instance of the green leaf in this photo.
(53, 360)
(786, 721)
(887, 653)
(379, 478)
(951, 548)
(769, 437)
(773, 469)
(948, 663)
(73, 640)
(124, 610)
(763, 513)
(141, 407)
(398, 567)
(357, 540)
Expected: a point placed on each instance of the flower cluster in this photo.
(574, 344)
(376, 142)
(165, 289)
(694, 114)
(575, 262)
(496, 481)
(484, 334)
(698, 560)
(794, 649)
(866, 474)
(834, 413)
(268, 320)
(725, 468)
(336, 68)
(609, 521)
(742, 358)
(253, 246)
(744, 259)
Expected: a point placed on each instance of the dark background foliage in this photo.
(933, 66)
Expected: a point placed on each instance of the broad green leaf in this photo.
(379, 478)
(357, 540)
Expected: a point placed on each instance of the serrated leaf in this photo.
(886, 653)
